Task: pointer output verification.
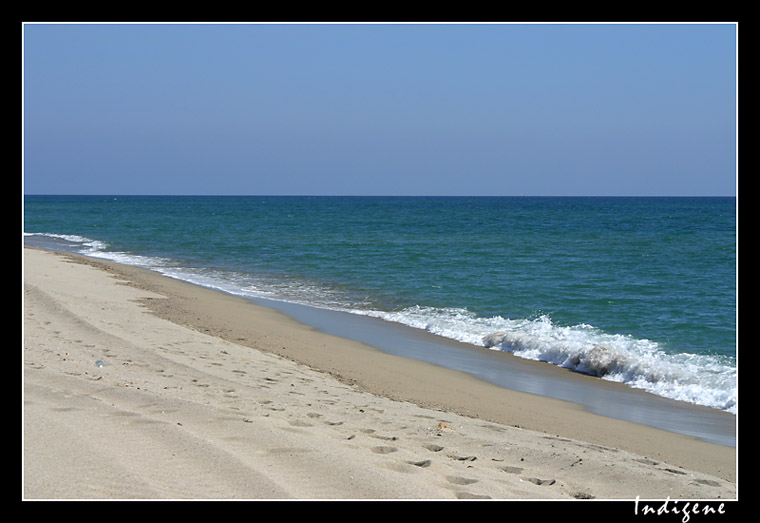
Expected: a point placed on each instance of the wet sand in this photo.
(203, 395)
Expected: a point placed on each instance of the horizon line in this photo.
(306, 195)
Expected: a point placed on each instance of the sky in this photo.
(380, 109)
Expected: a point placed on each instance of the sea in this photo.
(636, 290)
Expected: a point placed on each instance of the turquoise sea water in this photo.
(636, 290)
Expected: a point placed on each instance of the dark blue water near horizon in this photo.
(640, 290)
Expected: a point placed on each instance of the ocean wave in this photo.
(94, 248)
(75, 242)
(701, 379)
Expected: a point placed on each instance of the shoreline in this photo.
(606, 398)
(635, 455)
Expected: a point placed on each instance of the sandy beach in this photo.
(138, 386)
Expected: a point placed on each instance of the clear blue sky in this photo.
(431, 109)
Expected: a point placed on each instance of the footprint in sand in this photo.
(464, 458)
(541, 481)
(459, 480)
(512, 470)
(383, 450)
(708, 482)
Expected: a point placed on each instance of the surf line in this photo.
(686, 511)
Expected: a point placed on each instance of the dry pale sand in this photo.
(203, 395)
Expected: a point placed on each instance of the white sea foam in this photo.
(95, 249)
(80, 243)
(701, 379)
